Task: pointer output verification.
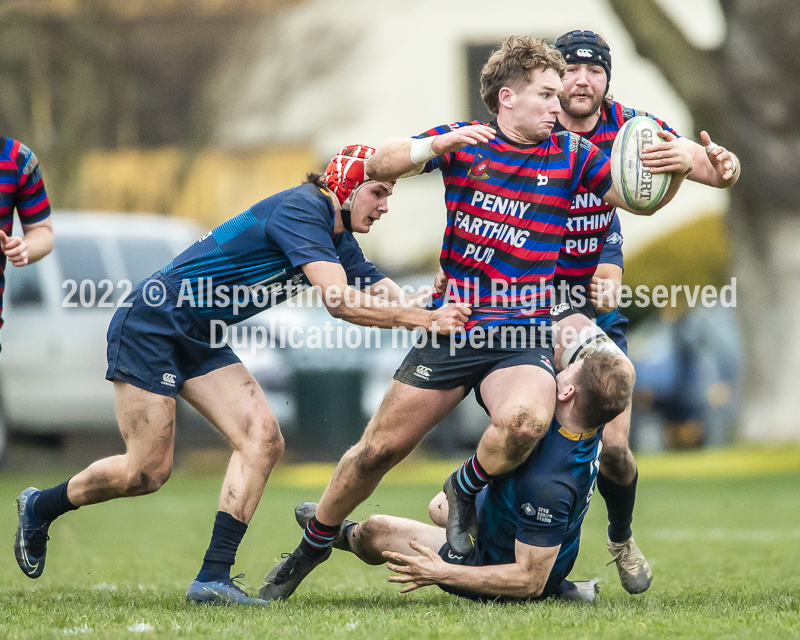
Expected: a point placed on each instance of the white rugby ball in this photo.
(641, 189)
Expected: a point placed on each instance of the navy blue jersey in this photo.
(612, 247)
(541, 503)
(256, 257)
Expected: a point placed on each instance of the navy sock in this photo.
(317, 538)
(619, 503)
(472, 477)
(51, 503)
(221, 554)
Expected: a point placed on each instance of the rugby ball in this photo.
(641, 189)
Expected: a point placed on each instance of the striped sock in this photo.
(317, 538)
(472, 477)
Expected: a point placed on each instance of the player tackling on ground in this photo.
(508, 188)
(529, 519)
(161, 346)
(593, 239)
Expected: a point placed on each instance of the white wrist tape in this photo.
(422, 150)
(710, 146)
(589, 340)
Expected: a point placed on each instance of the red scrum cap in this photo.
(346, 172)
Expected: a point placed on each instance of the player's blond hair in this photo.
(603, 388)
(511, 66)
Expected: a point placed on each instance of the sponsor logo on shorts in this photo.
(168, 379)
(547, 362)
(478, 170)
(559, 308)
(423, 372)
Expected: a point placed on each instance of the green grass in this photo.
(724, 546)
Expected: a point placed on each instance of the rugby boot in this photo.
(462, 517)
(30, 542)
(634, 571)
(287, 575)
(220, 592)
(304, 511)
(577, 591)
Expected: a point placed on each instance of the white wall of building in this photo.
(335, 73)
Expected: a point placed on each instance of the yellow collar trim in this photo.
(577, 436)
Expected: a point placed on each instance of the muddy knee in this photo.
(264, 441)
(366, 536)
(523, 429)
(147, 479)
(375, 457)
(617, 463)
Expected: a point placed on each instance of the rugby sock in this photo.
(317, 538)
(51, 503)
(472, 477)
(225, 538)
(619, 503)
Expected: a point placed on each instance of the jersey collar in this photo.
(577, 436)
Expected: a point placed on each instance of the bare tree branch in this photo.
(691, 71)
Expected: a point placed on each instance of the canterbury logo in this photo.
(168, 379)
(423, 372)
(584, 53)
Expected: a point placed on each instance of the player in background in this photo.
(161, 346)
(508, 188)
(592, 247)
(529, 519)
(22, 188)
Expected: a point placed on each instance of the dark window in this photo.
(24, 286)
(81, 260)
(477, 55)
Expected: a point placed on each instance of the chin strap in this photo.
(346, 220)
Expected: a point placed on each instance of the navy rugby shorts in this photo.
(450, 365)
(157, 348)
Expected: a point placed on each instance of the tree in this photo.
(746, 95)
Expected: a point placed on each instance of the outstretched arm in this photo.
(343, 301)
(712, 165)
(679, 163)
(525, 578)
(400, 157)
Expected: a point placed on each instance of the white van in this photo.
(57, 312)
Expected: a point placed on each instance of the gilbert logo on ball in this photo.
(641, 189)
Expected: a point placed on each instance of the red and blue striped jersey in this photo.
(507, 208)
(21, 188)
(590, 217)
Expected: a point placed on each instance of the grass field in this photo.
(721, 530)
